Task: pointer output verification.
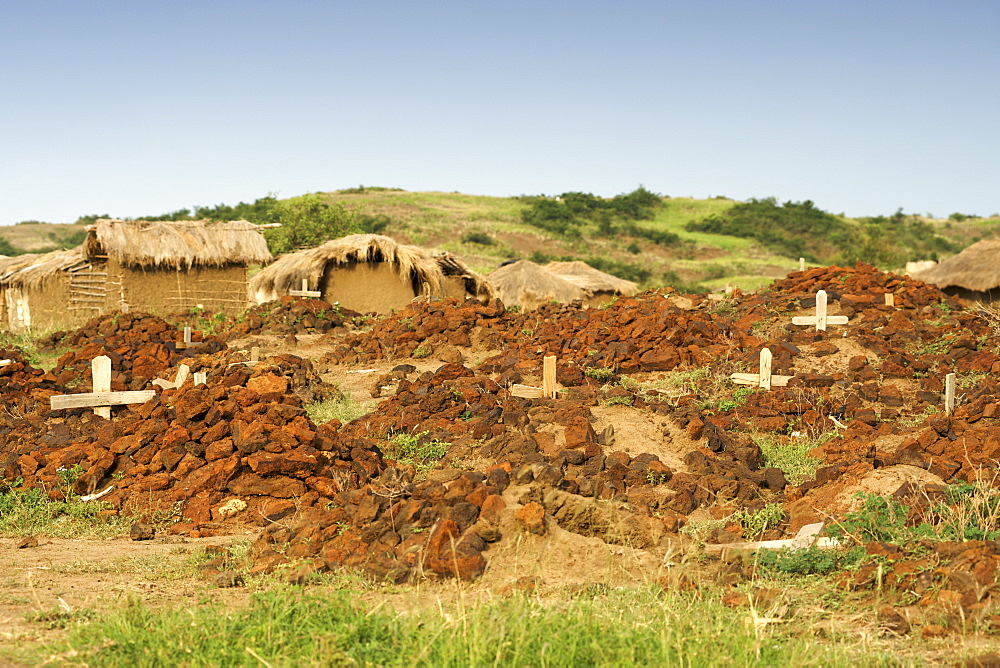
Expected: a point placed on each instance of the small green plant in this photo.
(755, 523)
(599, 373)
(343, 409)
(420, 352)
(618, 400)
(809, 561)
(791, 455)
(939, 346)
(738, 399)
(407, 449)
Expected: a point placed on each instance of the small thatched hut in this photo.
(528, 285)
(165, 267)
(362, 272)
(599, 286)
(461, 282)
(43, 291)
(972, 274)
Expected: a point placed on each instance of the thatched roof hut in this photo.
(973, 273)
(365, 273)
(528, 285)
(176, 244)
(34, 270)
(591, 280)
(466, 283)
(40, 291)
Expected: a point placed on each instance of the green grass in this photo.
(791, 455)
(294, 627)
(344, 409)
(30, 512)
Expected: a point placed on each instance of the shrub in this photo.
(481, 238)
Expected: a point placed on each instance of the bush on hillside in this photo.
(568, 213)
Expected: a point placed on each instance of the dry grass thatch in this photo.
(526, 284)
(177, 245)
(591, 280)
(32, 271)
(976, 268)
(475, 285)
(286, 273)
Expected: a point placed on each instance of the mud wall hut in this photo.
(972, 274)
(167, 267)
(363, 272)
(45, 291)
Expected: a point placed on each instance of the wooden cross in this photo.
(305, 291)
(102, 398)
(821, 319)
(808, 536)
(764, 379)
(890, 299)
(186, 343)
(548, 388)
(183, 371)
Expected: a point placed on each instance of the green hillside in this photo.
(654, 240)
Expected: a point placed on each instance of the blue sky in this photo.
(132, 108)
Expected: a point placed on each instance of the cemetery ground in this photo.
(370, 491)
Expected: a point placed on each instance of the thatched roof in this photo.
(286, 273)
(34, 270)
(976, 268)
(177, 245)
(524, 283)
(475, 284)
(592, 280)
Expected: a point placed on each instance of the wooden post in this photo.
(425, 291)
(549, 376)
(255, 354)
(949, 393)
(187, 337)
(802, 264)
(765, 368)
(890, 299)
(100, 369)
(305, 285)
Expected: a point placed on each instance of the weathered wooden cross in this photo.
(187, 343)
(305, 291)
(808, 536)
(102, 398)
(548, 388)
(764, 379)
(949, 393)
(821, 319)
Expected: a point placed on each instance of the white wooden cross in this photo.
(548, 388)
(821, 319)
(102, 398)
(186, 343)
(808, 536)
(890, 299)
(183, 371)
(305, 291)
(764, 379)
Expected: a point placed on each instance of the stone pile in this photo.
(290, 315)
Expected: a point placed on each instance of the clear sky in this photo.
(133, 108)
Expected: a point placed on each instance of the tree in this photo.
(305, 221)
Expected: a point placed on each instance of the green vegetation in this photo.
(791, 455)
(964, 511)
(408, 450)
(334, 628)
(755, 523)
(343, 409)
(800, 229)
(27, 512)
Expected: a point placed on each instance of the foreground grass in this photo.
(293, 627)
(29, 512)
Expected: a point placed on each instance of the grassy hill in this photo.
(689, 243)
